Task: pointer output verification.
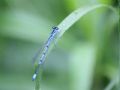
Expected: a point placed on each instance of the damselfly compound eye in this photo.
(55, 28)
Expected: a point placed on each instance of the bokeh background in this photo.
(85, 58)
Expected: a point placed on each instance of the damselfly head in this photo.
(55, 28)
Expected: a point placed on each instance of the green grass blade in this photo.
(69, 21)
(38, 80)
(77, 14)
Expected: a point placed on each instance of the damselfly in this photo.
(55, 31)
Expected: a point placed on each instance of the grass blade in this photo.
(77, 14)
(70, 20)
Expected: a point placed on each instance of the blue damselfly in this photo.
(55, 31)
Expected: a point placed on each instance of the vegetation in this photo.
(86, 57)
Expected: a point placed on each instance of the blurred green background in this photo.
(85, 58)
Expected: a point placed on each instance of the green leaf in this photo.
(77, 14)
(70, 20)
